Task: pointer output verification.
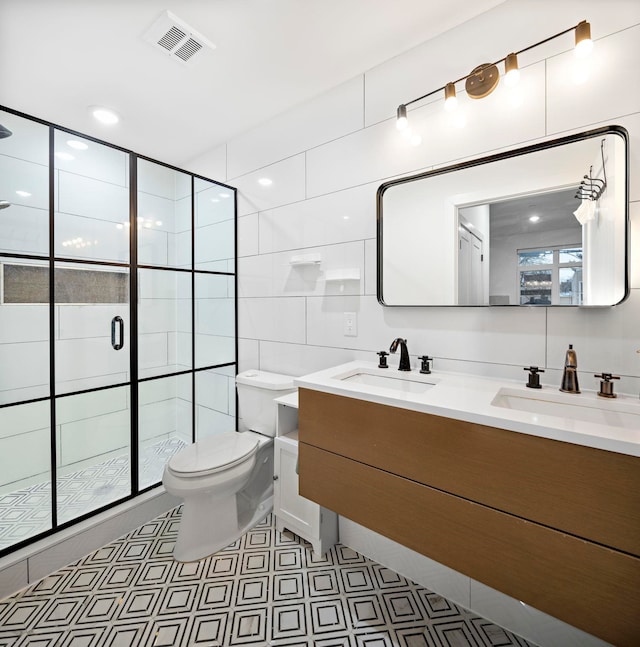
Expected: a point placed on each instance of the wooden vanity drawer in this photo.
(589, 586)
(590, 493)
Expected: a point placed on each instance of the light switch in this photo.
(350, 324)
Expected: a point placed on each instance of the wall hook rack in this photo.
(592, 188)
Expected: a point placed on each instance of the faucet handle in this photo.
(534, 379)
(425, 368)
(383, 359)
(606, 386)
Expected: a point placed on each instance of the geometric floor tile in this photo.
(266, 589)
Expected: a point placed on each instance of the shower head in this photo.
(4, 204)
(4, 132)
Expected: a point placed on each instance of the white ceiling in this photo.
(57, 57)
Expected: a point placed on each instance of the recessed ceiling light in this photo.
(534, 218)
(23, 194)
(78, 145)
(265, 181)
(104, 115)
(67, 157)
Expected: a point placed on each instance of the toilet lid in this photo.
(214, 454)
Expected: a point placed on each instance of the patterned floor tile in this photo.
(266, 590)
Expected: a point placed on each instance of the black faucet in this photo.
(405, 363)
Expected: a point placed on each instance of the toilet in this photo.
(226, 480)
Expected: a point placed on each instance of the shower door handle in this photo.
(118, 323)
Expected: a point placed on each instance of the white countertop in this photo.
(469, 398)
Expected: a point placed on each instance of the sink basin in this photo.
(582, 407)
(391, 381)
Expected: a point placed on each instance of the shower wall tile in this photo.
(212, 391)
(248, 354)
(157, 419)
(93, 404)
(210, 422)
(214, 243)
(157, 180)
(214, 349)
(90, 198)
(572, 104)
(29, 364)
(104, 164)
(29, 454)
(288, 177)
(24, 418)
(157, 315)
(18, 174)
(83, 321)
(25, 230)
(153, 350)
(278, 319)
(329, 116)
(81, 359)
(86, 439)
(380, 151)
(213, 204)
(334, 218)
(23, 323)
(154, 208)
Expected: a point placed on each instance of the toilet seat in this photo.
(214, 454)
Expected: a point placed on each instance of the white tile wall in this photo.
(212, 163)
(290, 323)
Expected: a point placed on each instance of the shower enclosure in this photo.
(118, 336)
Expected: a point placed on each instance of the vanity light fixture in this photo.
(484, 79)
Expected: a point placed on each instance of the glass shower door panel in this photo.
(24, 330)
(215, 323)
(164, 216)
(25, 472)
(215, 401)
(93, 451)
(165, 424)
(91, 200)
(215, 242)
(92, 326)
(164, 322)
(24, 186)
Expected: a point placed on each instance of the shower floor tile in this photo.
(266, 589)
(27, 512)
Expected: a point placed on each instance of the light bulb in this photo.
(584, 44)
(512, 73)
(104, 115)
(402, 121)
(450, 99)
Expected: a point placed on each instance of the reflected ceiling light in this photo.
(67, 157)
(23, 194)
(224, 195)
(215, 200)
(265, 181)
(104, 115)
(78, 145)
(511, 71)
(483, 79)
(534, 218)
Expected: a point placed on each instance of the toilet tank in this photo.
(256, 392)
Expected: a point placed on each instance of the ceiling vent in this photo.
(175, 38)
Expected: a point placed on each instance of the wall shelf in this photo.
(346, 274)
(305, 259)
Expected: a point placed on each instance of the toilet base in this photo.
(200, 536)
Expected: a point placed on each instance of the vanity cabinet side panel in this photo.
(591, 493)
(588, 586)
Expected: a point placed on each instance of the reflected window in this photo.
(550, 276)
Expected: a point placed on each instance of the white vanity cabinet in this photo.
(293, 512)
